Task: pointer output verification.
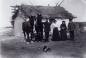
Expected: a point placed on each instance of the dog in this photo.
(46, 49)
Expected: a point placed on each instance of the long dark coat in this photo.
(63, 31)
(47, 27)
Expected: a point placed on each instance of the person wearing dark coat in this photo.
(39, 26)
(39, 19)
(56, 36)
(71, 28)
(63, 31)
(47, 30)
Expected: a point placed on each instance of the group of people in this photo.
(62, 34)
(36, 30)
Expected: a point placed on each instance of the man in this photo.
(71, 28)
(39, 26)
(47, 30)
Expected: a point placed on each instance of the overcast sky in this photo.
(76, 7)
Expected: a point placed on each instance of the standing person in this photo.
(39, 27)
(63, 32)
(39, 32)
(71, 28)
(47, 30)
(26, 29)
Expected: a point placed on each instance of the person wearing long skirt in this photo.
(63, 32)
(56, 36)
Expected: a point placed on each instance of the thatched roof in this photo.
(46, 11)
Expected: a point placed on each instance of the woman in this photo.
(63, 32)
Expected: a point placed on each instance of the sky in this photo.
(76, 7)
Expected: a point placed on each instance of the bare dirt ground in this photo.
(15, 47)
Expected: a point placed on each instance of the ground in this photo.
(15, 47)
